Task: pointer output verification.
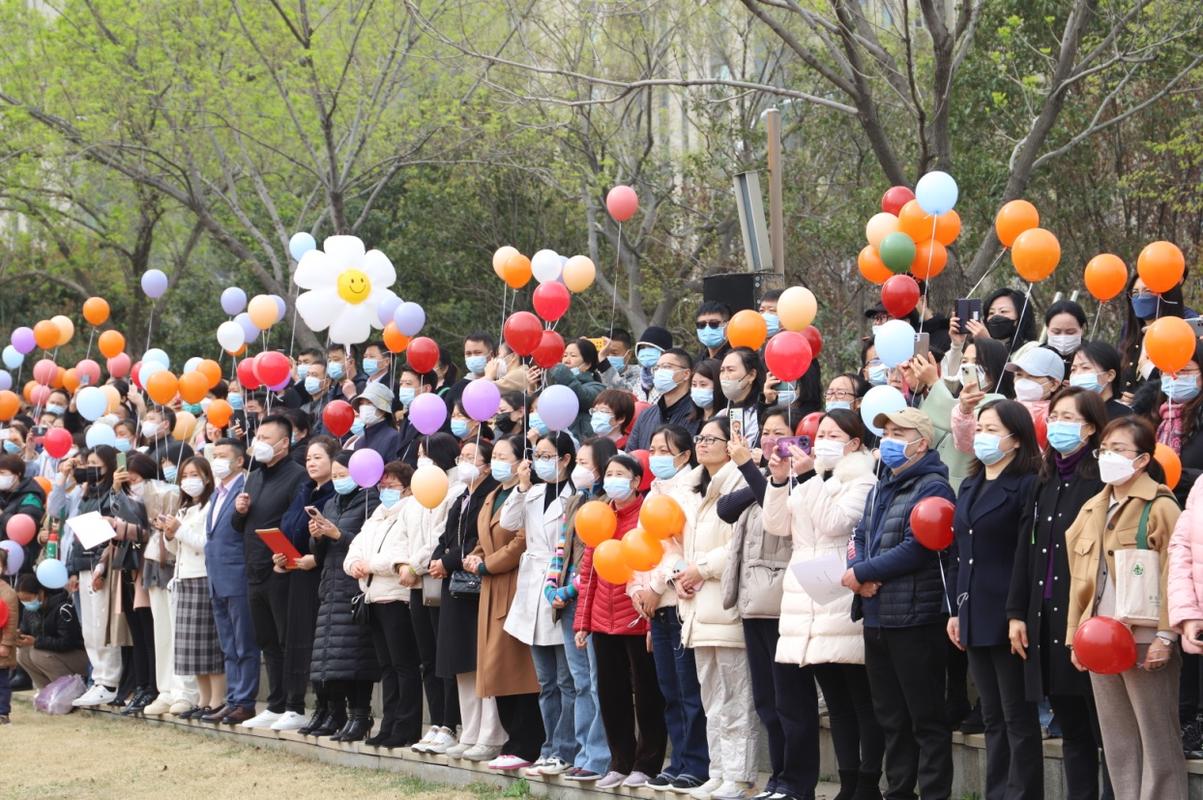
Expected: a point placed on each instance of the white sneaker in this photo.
(507, 763)
(180, 707)
(421, 745)
(442, 742)
(730, 790)
(289, 721)
(704, 791)
(635, 780)
(556, 766)
(159, 707)
(536, 769)
(482, 752)
(263, 719)
(96, 696)
(612, 780)
(458, 750)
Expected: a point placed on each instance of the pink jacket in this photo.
(1185, 588)
(964, 426)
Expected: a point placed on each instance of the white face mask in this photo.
(262, 451)
(468, 472)
(1064, 343)
(136, 490)
(193, 487)
(828, 451)
(368, 413)
(1115, 468)
(221, 468)
(150, 429)
(1028, 391)
(583, 477)
(7, 482)
(424, 462)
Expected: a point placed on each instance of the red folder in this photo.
(277, 542)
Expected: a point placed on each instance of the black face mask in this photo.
(89, 475)
(504, 424)
(1000, 327)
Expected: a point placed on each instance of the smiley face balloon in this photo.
(354, 286)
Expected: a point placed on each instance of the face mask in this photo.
(344, 485)
(55, 409)
(467, 472)
(786, 397)
(583, 477)
(370, 365)
(193, 487)
(31, 605)
(7, 482)
(503, 423)
(1065, 343)
(335, 370)
(390, 497)
(879, 374)
(204, 404)
(702, 398)
(662, 380)
(617, 363)
(1181, 389)
(712, 337)
(893, 452)
(771, 322)
(986, 447)
(1000, 327)
(502, 369)
(136, 490)
(86, 474)
(476, 364)
(1086, 380)
(547, 469)
(12, 448)
(357, 427)
(1115, 468)
(170, 473)
(537, 423)
(1065, 437)
(313, 384)
(663, 466)
(602, 422)
(406, 395)
(502, 471)
(368, 413)
(648, 356)
(732, 388)
(459, 427)
(1144, 305)
(235, 401)
(425, 462)
(302, 371)
(262, 451)
(828, 451)
(1028, 390)
(834, 405)
(150, 429)
(221, 468)
(193, 408)
(617, 488)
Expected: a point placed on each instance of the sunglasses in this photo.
(714, 323)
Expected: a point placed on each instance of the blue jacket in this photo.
(912, 589)
(225, 552)
(659, 414)
(381, 437)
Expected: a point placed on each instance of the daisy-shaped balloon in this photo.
(345, 286)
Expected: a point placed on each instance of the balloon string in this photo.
(91, 336)
(989, 269)
(1097, 314)
(931, 251)
(614, 292)
(1026, 299)
(150, 323)
(504, 290)
(944, 581)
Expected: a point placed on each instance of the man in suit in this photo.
(225, 558)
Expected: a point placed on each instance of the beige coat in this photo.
(8, 634)
(680, 488)
(704, 621)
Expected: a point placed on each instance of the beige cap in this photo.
(909, 418)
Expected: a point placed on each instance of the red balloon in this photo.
(273, 367)
(551, 300)
(550, 350)
(135, 374)
(815, 339)
(788, 355)
(895, 198)
(622, 203)
(900, 295)
(1041, 424)
(57, 442)
(422, 354)
(21, 529)
(522, 332)
(809, 426)
(337, 417)
(119, 365)
(931, 520)
(1105, 645)
(3, 614)
(246, 375)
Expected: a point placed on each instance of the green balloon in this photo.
(897, 252)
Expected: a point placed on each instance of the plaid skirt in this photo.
(197, 648)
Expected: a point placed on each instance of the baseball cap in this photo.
(909, 418)
(1039, 362)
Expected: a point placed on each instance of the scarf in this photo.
(1169, 430)
(1068, 465)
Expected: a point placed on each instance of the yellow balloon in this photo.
(185, 425)
(579, 273)
(66, 329)
(113, 396)
(429, 485)
(796, 308)
(262, 310)
(879, 227)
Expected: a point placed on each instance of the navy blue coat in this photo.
(225, 551)
(383, 438)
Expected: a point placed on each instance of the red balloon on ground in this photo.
(895, 198)
(809, 426)
(422, 354)
(1105, 645)
(522, 332)
(788, 355)
(246, 375)
(814, 339)
(338, 417)
(551, 300)
(57, 442)
(550, 350)
(931, 521)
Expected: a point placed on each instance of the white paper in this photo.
(91, 529)
(821, 578)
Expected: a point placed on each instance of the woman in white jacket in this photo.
(821, 638)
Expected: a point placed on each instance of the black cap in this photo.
(658, 336)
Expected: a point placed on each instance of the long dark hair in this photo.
(1025, 324)
(1015, 417)
(202, 466)
(1172, 305)
(1144, 436)
(1090, 406)
(724, 426)
(992, 355)
(1104, 356)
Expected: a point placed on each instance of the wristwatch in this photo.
(1165, 637)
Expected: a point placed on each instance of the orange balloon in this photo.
(211, 370)
(60, 375)
(240, 352)
(662, 516)
(185, 425)
(111, 343)
(262, 310)
(44, 482)
(595, 522)
(1035, 254)
(1170, 462)
(872, 268)
(1106, 275)
(1013, 219)
(948, 227)
(915, 222)
(516, 272)
(46, 334)
(219, 413)
(27, 390)
(747, 329)
(610, 563)
(10, 404)
(66, 329)
(162, 387)
(641, 550)
(1170, 343)
(193, 386)
(395, 340)
(96, 310)
(71, 380)
(930, 258)
(113, 397)
(1160, 265)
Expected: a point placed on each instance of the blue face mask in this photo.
(31, 605)
(345, 485)
(619, 362)
(602, 422)
(335, 370)
(712, 337)
(1144, 305)
(663, 467)
(357, 427)
(648, 356)
(702, 398)
(12, 448)
(313, 384)
(893, 452)
(193, 408)
(1182, 389)
(1086, 380)
(55, 409)
(235, 401)
(302, 371)
(986, 447)
(502, 471)
(170, 472)
(406, 395)
(1065, 437)
(123, 445)
(662, 380)
(617, 488)
(370, 365)
(786, 397)
(547, 469)
(459, 427)
(476, 364)
(833, 405)
(772, 322)
(390, 497)
(879, 374)
(538, 424)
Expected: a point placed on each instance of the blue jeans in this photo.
(593, 753)
(557, 696)
(677, 674)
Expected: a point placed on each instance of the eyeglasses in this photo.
(545, 458)
(839, 394)
(713, 323)
(1123, 451)
(707, 440)
(673, 367)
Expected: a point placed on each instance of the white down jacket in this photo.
(704, 621)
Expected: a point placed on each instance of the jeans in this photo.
(557, 697)
(593, 753)
(1014, 747)
(677, 674)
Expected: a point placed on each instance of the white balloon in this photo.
(546, 266)
(230, 336)
(149, 368)
(191, 364)
(12, 357)
(155, 354)
(880, 400)
(92, 403)
(895, 343)
(100, 434)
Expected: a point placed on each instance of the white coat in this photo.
(530, 617)
(704, 621)
(680, 488)
(424, 536)
(376, 546)
(188, 544)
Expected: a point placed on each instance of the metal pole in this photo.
(772, 121)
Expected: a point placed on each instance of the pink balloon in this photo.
(118, 365)
(88, 372)
(44, 371)
(622, 203)
(39, 394)
(428, 412)
(366, 466)
(481, 399)
(21, 528)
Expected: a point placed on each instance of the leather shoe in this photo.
(215, 715)
(237, 716)
(314, 723)
(332, 724)
(359, 727)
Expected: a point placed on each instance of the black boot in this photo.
(334, 722)
(867, 786)
(320, 715)
(383, 735)
(848, 781)
(359, 726)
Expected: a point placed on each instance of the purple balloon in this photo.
(154, 283)
(481, 399)
(6, 381)
(281, 384)
(366, 466)
(558, 407)
(386, 307)
(233, 300)
(23, 341)
(16, 556)
(427, 413)
(409, 318)
(249, 330)
(281, 306)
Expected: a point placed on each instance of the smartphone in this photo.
(120, 460)
(313, 512)
(968, 374)
(39, 430)
(968, 308)
(801, 442)
(1197, 324)
(736, 418)
(922, 344)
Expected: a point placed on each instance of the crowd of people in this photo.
(493, 638)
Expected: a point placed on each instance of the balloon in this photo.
(233, 300)
(879, 227)
(545, 265)
(500, 256)
(558, 407)
(551, 300)
(92, 403)
(1035, 254)
(100, 433)
(57, 442)
(211, 370)
(871, 267)
(622, 203)
(66, 329)
(814, 339)
(46, 334)
(931, 522)
(113, 397)
(10, 404)
(66, 379)
(1170, 343)
(246, 375)
(96, 310)
(595, 522)
(1106, 275)
(299, 244)
(262, 311)
(44, 482)
(662, 517)
(387, 307)
(154, 283)
(936, 192)
(6, 380)
(1105, 645)
(409, 318)
(250, 331)
(37, 395)
(429, 485)
(16, 557)
(52, 573)
(1160, 265)
(481, 399)
(880, 400)
(930, 258)
(1013, 219)
(550, 350)
(809, 426)
(394, 340)
(899, 295)
(118, 366)
(747, 329)
(111, 343)
(193, 387)
(230, 336)
(1170, 462)
(162, 387)
(427, 413)
(517, 271)
(796, 308)
(422, 355)
(12, 358)
(273, 367)
(915, 222)
(44, 371)
(948, 227)
(522, 332)
(158, 356)
(579, 273)
(366, 466)
(89, 372)
(641, 550)
(897, 252)
(609, 562)
(23, 340)
(21, 528)
(787, 355)
(895, 198)
(219, 413)
(895, 342)
(337, 417)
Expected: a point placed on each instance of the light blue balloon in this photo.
(409, 318)
(300, 244)
(249, 330)
(12, 357)
(233, 300)
(98, 434)
(880, 400)
(52, 573)
(191, 365)
(155, 354)
(936, 192)
(281, 306)
(91, 403)
(385, 308)
(154, 283)
(895, 342)
(6, 381)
